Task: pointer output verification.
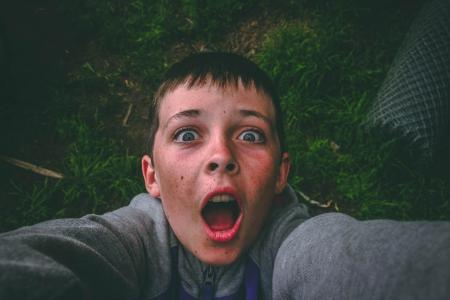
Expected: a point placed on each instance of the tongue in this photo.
(219, 218)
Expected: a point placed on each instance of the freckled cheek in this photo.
(262, 185)
(172, 167)
(262, 168)
(173, 187)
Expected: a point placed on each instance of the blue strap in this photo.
(251, 280)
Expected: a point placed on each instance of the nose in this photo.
(222, 159)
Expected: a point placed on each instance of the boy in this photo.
(219, 220)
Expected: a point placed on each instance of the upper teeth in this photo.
(221, 198)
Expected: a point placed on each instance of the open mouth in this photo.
(222, 216)
(221, 212)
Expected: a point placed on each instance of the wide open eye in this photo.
(186, 135)
(252, 136)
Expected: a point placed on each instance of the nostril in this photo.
(230, 167)
(213, 166)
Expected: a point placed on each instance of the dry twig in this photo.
(125, 119)
(33, 168)
(317, 203)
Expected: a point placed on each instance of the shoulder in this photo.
(287, 214)
(146, 203)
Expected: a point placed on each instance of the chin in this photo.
(219, 256)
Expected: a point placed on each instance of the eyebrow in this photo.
(253, 113)
(193, 113)
(190, 113)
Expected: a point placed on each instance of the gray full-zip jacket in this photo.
(132, 253)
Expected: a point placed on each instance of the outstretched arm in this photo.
(334, 256)
(95, 257)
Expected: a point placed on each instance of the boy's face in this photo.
(216, 167)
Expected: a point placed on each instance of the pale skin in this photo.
(214, 140)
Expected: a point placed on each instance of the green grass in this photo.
(328, 59)
(98, 177)
(328, 73)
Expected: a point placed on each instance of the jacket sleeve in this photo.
(334, 256)
(95, 257)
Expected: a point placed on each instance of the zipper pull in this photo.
(208, 284)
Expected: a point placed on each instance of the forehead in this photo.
(210, 96)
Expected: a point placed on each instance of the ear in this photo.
(283, 173)
(150, 177)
